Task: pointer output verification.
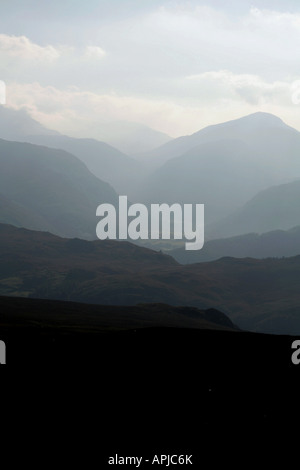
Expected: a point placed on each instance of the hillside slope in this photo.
(54, 187)
(261, 295)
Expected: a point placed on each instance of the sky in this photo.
(175, 66)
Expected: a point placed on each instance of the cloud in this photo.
(94, 52)
(224, 96)
(250, 88)
(175, 68)
(274, 18)
(78, 112)
(59, 65)
(21, 47)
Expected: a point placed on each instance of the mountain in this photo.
(218, 174)
(231, 163)
(261, 295)
(104, 161)
(16, 214)
(276, 244)
(258, 126)
(130, 137)
(221, 375)
(50, 190)
(17, 124)
(107, 318)
(272, 209)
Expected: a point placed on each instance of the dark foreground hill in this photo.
(192, 377)
(68, 318)
(261, 295)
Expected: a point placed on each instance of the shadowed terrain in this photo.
(197, 368)
(261, 295)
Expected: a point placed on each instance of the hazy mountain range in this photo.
(233, 168)
(17, 124)
(104, 161)
(260, 127)
(224, 166)
(261, 295)
(49, 189)
(130, 138)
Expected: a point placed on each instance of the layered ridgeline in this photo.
(261, 295)
(128, 137)
(103, 160)
(274, 208)
(48, 189)
(258, 127)
(222, 166)
(274, 244)
(17, 124)
(132, 138)
(230, 167)
(225, 165)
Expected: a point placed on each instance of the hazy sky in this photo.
(175, 66)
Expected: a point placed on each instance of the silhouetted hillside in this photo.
(262, 295)
(77, 318)
(220, 374)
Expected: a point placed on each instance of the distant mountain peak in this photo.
(250, 122)
(16, 124)
(261, 118)
(241, 128)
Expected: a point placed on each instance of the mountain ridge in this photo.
(103, 160)
(273, 244)
(260, 295)
(226, 169)
(271, 209)
(53, 185)
(188, 142)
